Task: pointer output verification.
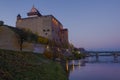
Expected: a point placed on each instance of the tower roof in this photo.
(34, 12)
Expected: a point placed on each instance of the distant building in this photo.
(43, 25)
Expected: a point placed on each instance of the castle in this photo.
(43, 25)
(27, 31)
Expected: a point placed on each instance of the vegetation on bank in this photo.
(28, 66)
(76, 54)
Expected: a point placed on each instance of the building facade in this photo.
(43, 25)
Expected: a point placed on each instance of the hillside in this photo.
(28, 66)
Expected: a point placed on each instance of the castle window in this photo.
(43, 30)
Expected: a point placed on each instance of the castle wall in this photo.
(31, 47)
(9, 39)
(65, 36)
(38, 25)
(27, 47)
(56, 30)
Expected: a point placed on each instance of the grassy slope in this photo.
(28, 66)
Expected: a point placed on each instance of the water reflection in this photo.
(67, 68)
(74, 64)
(91, 68)
(103, 59)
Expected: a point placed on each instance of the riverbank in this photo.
(28, 66)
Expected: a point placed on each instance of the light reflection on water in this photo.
(104, 68)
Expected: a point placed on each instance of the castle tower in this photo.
(34, 12)
(18, 17)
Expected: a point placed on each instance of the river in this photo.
(91, 68)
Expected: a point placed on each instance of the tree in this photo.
(1, 23)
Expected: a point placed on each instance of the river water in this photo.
(92, 68)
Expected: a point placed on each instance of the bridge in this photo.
(101, 53)
(115, 54)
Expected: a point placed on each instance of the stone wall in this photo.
(45, 26)
(32, 47)
(9, 39)
(39, 48)
(38, 25)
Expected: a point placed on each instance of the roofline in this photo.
(44, 16)
(56, 19)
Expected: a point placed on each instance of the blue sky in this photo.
(92, 24)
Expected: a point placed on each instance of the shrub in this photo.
(48, 54)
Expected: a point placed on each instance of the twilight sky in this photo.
(92, 24)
